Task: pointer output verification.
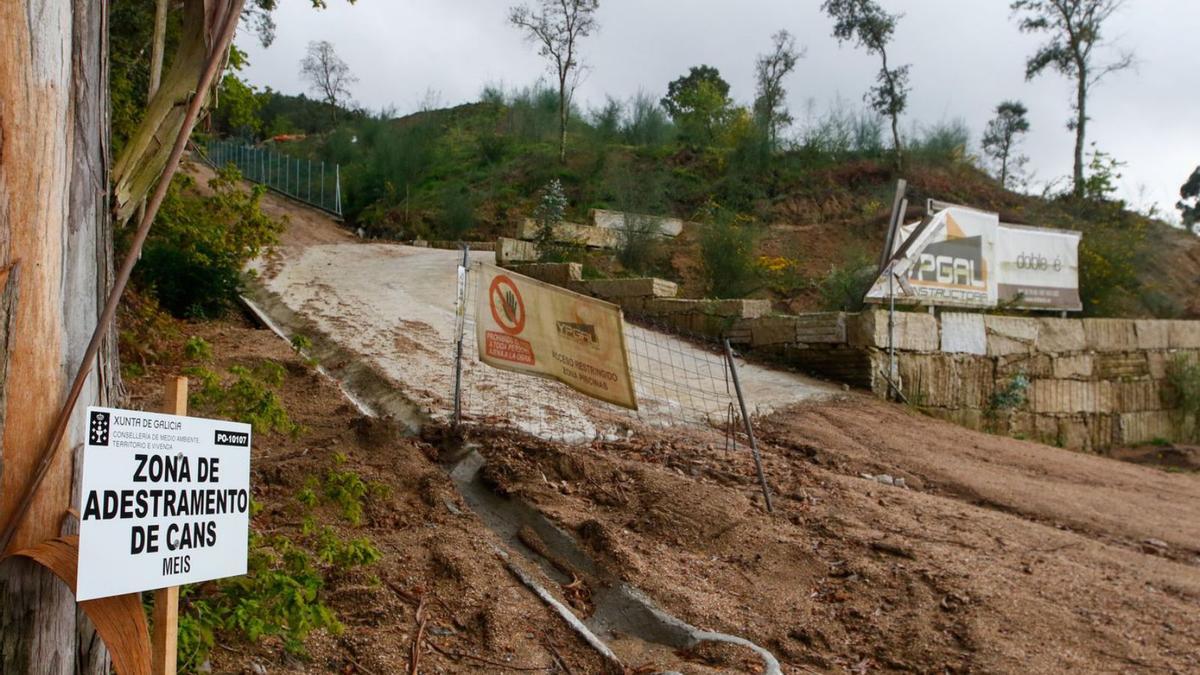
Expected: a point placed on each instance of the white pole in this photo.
(892, 326)
(337, 186)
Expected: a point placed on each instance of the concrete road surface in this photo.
(394, 306)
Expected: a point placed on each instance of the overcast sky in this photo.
(966, 56)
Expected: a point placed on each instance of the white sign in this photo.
(962, 257)
(1039, 268)
(947, 261)
(165, 501)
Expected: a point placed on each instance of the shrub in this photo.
(147, 335)
(548, 214)
(636, 192)
(493, 148)
(281, 593)
(647, 123)
(1110, 255)
(606, 120)
(782, 275)
(943, 141)
(845, 286)
(192, 261)
(197, 349)
(727, 254)
(842, 131)
(1183, 378)
(249, 396)
(457, 216)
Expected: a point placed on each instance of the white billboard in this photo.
(962, 257)
(1038, 268)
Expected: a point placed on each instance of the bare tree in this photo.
(1074, 27)
(1001, 136)
(872, 27)
(557, 26)
(328, 75)
(770, 69)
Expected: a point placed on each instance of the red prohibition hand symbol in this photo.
(508, 308)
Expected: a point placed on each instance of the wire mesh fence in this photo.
(681, 380)
(313, 182)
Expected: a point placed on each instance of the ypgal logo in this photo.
(954, 262)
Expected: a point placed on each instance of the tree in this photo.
(548, 214)
(327, 75)
(727, 243)
(1190, 191)
(158, 45)
(867, 23)
(770, 109)
(699, 104)
(1000, 137)
(556, 27)
(54, 270)
(56, 218)
(52, 219)
(1074, 27)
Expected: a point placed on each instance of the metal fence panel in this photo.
(290, 176)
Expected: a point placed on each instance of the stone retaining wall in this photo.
(574, 233)
(455, 245)
(1093, 383)
(511, 251)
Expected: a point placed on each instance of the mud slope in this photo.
(999, 555)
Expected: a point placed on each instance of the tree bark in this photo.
(1080, 129)
(896, 142)
(158, 45)
(1004, 165)
(140, 164)
(562, 119)
(54, 226)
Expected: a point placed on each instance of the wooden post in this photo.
(165, 637)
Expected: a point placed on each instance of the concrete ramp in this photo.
(393, 306)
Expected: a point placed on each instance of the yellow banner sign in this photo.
(526, 326)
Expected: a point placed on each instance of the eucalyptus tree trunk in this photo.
(1081, 119)
(562, 118)
(158, 45)
(141, 162)
(55, 269)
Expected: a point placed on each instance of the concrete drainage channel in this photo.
(623, 614)
(620, 609)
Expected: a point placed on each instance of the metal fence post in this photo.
(460, 313)
(322, 183)
(737, 385)
(309, 197)
(337, 187)
(891, 325)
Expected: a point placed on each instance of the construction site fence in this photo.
(681, 379)
(313, 182)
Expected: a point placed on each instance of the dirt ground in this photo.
(996, 555)
(435, 553)
(999, 556)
